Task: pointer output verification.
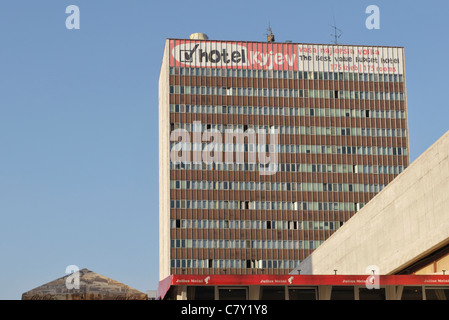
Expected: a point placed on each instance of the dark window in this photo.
(437, 294)
(232, 293)
(272, 293)
(412, 293)
(200, 293)
(373, 294)
(302, 294)
(342, 293)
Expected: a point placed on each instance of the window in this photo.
(233, 293)
(342, 293)
(302, 294)
(373, 294)
(437, 294)
(272, 293)
(412, 293)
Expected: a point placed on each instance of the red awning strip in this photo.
(335, 280)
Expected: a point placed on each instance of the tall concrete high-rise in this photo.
(267, 148)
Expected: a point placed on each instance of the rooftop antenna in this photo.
(269, 34)
(337, 32)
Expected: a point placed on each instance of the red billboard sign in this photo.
(285, 56)
(233, 55)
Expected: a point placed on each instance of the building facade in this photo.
(267, 148)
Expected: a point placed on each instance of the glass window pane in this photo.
(272, 293)
(412, 293)
(342, 293)
(200, 293)
(302, 294)
(437, 294)
(373, 294)
(232, 293)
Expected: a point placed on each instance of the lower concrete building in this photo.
(395, 248)
(404, 229)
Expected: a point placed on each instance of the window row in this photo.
(280, 74)
(287, 111)
(217, 148)
(233, 263)
(287, 93)
(242, 244)
(264, 205)
(254, 224)
(292, 167)
(241, 131)
(274, 186)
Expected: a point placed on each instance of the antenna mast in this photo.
(337, 32)
(269, 34)
(336, 35)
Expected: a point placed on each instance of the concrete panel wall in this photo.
(164, 167)
(406, 221)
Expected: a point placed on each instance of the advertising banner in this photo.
(286, 57)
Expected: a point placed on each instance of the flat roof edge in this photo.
(290, 43)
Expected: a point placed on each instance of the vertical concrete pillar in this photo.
(254, 293)
(324, 292)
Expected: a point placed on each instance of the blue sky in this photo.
(79, 119)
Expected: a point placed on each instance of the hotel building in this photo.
(267, 148)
